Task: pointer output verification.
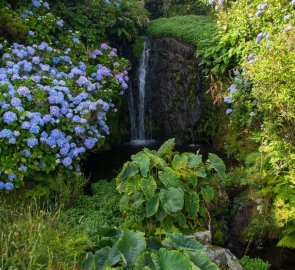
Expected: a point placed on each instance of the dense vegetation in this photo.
(61, 89)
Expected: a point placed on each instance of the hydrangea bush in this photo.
(53, 102)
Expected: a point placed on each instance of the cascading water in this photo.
(137, 100)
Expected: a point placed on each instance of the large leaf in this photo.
(169, 178)
(132, 244)
(89, 262)
(107, 257)
(167, 147)
(179, 162)
(171, 260)
(129, 170)
(207, 193)
(180, 241)
(152, 205)
(172, 199)
(200, 259)
(144, 260)
(137, 200)
(143, 161)
(133, 184)
(148, 186)
(217, 164)
(192, 204)
(123, 203)
(195, 160)
(155, 160)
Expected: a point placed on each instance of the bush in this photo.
(54, 102)
(167, 188)
(253, 263)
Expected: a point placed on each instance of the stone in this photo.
(223, 258)
(204, 237)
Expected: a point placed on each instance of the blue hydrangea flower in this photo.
(23, 168)
(36, 3)
(31, 142)
(67, 161)
(8, 186)
(60, 23)
(31, 33)
(9, 117)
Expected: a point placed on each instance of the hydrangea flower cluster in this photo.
(53, 107)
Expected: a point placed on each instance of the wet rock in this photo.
(223, 258)
(173, 91)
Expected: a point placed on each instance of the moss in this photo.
(195, 30)
(137, 47)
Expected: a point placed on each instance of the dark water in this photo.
(279, 258)
(107, 164)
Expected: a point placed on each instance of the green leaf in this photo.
(169, 178)
(155, 160)
(167, 224)
(217, 164)
(202, 173)
(180, 241)
(172, 199)
(200, 259)
(148, 186)
(207, 193)
(137, 199)
(123, 204)
(133, 184)
(107, 257)
(181, 220)
(144, 260)
(89, 263)
(195, 160)
(192, 204)
(167, 147)
(132, 244)
(152, 206)
(193, 179)
(129, 170)
(170, 260)
(179, 162)
(143, 161)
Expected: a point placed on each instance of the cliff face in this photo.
(173, 90)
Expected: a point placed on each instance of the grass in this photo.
(34, 237)
(196, 30)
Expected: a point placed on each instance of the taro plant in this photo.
(131, 250)
(171, 189)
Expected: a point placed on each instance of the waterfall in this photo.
(136, 100)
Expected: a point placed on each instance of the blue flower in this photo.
(36, 3)
(67, 161)
(11, 177)
(31, 33)
(8, 186)
(31, 142)
(23, 168)
(60, 23)
(76, 40)
(228, 111)
(27, 152)
(2, 185)
(9, 117)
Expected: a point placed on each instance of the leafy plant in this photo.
(133, 251)
(253, 263)
(169, 188)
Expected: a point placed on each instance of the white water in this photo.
(137, 103)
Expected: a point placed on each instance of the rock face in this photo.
(174, 88)
(223, 258)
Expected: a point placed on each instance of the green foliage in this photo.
(98, 20)
(168, 188)
(196, 30)
(32, 237)
(138, 47)
(133, 251)
(253, 263)
(100, 210)
(12, 26)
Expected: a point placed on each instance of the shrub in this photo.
(253, 263)
(54, 102)
(168, 188)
